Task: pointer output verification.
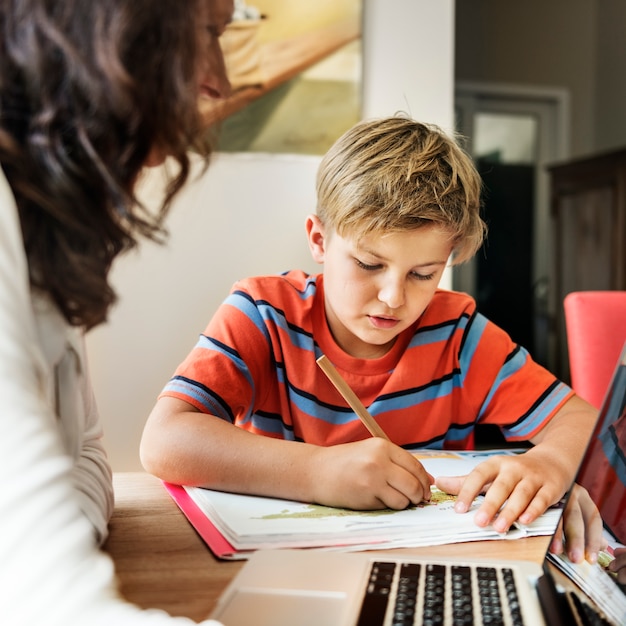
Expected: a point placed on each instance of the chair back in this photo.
(595, 323)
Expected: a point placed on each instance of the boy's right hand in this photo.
(368, 475)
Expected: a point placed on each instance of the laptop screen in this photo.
(603, 470)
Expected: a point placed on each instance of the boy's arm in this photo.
(181, 445)
(521, 487)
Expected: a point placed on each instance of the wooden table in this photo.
(162, 563)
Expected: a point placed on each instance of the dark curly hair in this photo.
(88, 88)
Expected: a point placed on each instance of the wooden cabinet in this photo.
(588, 202)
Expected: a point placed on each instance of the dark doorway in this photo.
(504, 265)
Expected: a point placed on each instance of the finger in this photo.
(402, 489)
(391, 498)
(476, 482)
(537, 506)
(575, 533)
(620, 557)
(491, 512)
(618, 565)
(583, 527)
(383, 496)
(413, 480)
(450, 484)
(595, 541)
(525, 504)
(556, 545)
(504, 501)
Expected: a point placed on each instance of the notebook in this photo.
(317, 588)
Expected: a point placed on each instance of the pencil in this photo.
(350, 397)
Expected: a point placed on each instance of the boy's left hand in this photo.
(519, 487)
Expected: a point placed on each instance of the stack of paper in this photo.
(247, 523)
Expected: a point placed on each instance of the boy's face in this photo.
(377, 287)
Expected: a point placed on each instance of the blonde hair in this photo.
(396, 174)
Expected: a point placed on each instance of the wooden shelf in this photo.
(281, 61)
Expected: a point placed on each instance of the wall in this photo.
(578, 45)
(610, 87)
(245, 216)
(408, 57)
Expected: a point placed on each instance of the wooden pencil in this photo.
(350, 397)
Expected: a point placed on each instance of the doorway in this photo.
(513, 133)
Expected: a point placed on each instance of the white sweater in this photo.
(55, 483)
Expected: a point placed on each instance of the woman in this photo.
(90, 93)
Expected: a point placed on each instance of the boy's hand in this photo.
(517, 487)
(580, 528)
(369, 474)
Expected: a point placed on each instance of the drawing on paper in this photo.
(313, 511)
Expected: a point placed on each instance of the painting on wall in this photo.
(308, 77)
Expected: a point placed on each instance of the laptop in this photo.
(318, 588)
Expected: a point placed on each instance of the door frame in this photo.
(551, 107)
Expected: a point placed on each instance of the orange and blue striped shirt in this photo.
(255, 366)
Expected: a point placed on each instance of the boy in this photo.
(250, 411)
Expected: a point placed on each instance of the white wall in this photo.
(408, 55)
(245, 216)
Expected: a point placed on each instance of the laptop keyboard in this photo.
(403, 594)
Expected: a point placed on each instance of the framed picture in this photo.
(296, 75)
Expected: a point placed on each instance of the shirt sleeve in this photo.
(65, 377)
(222, 373)
(506, 385)
(51, 571)
(91, 471)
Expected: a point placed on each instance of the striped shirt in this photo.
(255, 366)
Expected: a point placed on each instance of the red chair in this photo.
(595, 323)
